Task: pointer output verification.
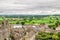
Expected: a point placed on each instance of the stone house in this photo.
(58, 28)
(4, 30)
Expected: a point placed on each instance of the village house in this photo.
(4, 30)
(58, 28)
(19, 32)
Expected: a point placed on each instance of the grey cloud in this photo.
(16, 5)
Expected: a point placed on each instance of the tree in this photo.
(22, 23)
(17, 22)
(48, 36)
(12, 37)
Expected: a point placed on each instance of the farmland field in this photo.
(51, 20)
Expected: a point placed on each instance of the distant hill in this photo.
(24, 16)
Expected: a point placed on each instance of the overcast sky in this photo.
(29, 7)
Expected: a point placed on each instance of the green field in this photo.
(37, 19)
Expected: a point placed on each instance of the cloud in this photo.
(29, 6)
